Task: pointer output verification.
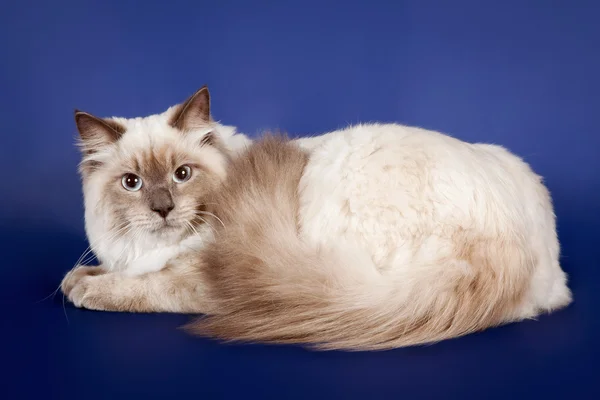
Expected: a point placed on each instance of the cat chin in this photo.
(172, 233)
(168, 229)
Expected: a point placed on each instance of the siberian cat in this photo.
(371, 237)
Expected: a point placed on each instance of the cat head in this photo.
(147, 177)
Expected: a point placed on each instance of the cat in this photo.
(372, 237)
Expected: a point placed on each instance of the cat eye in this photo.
(182, 174)
(131, 182)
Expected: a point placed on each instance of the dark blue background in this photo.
(524, 74)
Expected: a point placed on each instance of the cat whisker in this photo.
(189, 224)
(212, 215)
(64, 307)
(212, 228)
(52, 294)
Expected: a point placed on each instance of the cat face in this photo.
(159, 189)
(147, 178)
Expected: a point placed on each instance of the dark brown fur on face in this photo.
(156, 167)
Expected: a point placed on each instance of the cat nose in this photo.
(163, 211)
(161, 202)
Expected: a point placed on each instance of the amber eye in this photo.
(182, 174)
(131, 182)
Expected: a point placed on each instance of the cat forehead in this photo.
(157, 162)
(154, 127)
(154, 131)
(150, 153)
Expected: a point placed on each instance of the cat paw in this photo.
(76, 274)
(90, 292)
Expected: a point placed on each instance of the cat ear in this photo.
(97, 132)
(194, 112)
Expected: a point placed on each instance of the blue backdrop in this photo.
(524, 74)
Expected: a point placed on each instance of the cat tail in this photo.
(270, 286)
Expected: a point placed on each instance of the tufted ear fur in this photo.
(194, 112)
(96, 132)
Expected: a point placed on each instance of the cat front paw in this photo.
(73, 277)
(91, 292)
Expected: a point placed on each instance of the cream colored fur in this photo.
(409, 199)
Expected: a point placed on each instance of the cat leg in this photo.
(177, 288)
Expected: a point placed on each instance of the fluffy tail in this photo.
(270, 286)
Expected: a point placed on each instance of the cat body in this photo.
(374, 236)
(416, 201)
